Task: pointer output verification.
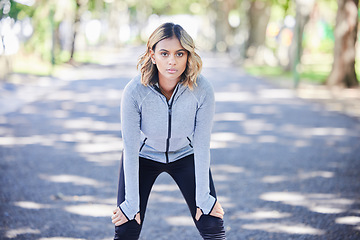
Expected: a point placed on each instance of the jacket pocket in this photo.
(142, 145)
(189, 142)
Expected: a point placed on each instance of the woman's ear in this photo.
(152, 56)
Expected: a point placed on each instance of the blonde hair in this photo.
(169, 30)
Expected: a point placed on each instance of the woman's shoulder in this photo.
(134, 83)
(135, 88)
(203, 85)
(203, 89)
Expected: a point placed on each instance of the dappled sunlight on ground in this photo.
(349, 220)
(61, 238)
(299, 229)
(99, 147)
(226, 139)
(31, 205)
(14, 233)
(164, 198)
(335, 99)
(226, 169)
(90, 124)
(76, 180)
(299, 176)
(233, 96)
(283, 168)
(315, 202)
(165, 188)
(180, 221)
(264, 94)
(225, 173)
(92, 96)
(229, 116)
(255, 126)
(34, 139)
(261, 214)
(92, 210)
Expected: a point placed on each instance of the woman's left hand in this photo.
(118, 218)
(217, 211)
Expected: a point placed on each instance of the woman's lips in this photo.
(171, 70)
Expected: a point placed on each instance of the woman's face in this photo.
(170, 59)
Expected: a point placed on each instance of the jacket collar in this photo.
(179, 89)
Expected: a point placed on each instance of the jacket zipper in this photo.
(169, 126)
(189, 142)
(143, 144)
(169, 133)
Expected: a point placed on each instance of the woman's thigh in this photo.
(183, 172)
(148, 172)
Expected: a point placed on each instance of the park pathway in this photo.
(284, 167)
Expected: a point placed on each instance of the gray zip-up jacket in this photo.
(166, 131)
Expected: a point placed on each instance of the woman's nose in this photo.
(172, 60)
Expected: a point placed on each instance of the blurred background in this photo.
(284, 167)
(303, 40)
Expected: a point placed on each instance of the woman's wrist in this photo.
(217, 211)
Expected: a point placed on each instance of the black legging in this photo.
(183, 172)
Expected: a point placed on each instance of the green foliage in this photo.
(17, 11)
(165, 7)
(161, 6)
(266, 71)
(286, 5)
(94, 5)
(327, 45)
(310, 73)
(40, 42)
(140, 10)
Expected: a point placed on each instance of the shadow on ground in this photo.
(284, 168)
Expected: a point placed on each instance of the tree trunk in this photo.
(222, 26)
(118, 17)
(80, 4)
(343, 69)
(303, 11)
(259, 15)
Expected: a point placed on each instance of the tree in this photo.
(343, 69)
(303, 10)
(9, 14)
(80, 8)
(223, 31)
(258, 15)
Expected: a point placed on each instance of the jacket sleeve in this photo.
(202, 134)
(130, 127)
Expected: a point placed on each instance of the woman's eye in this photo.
(180, 54)
(164, 54)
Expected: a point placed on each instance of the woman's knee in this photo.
(128, 231)
(211, 227)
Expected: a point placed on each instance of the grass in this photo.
(315, 71)
(310, 74)
(266, 71)
(33, 65)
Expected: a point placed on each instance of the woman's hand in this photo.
(217, 211)
(118, 218)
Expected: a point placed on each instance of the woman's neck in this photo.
(167, 87)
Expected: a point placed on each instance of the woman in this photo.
(166, 118)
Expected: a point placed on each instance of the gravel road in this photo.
(284, 167)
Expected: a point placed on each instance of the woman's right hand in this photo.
(217, 211)
(118, 217)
